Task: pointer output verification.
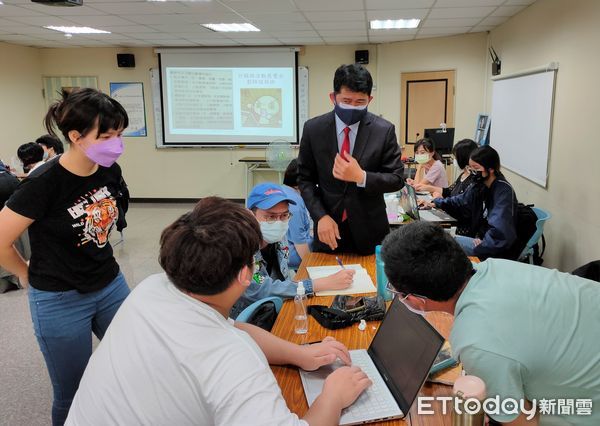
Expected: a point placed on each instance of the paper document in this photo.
(362, 282)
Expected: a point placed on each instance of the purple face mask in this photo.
(106, 152)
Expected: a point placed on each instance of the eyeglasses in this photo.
(389, 287)
(272, 218)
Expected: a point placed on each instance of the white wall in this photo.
(567, 32)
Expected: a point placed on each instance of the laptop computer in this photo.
(397, 361)
(408, 202)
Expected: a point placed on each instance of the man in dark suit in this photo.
(348, 159)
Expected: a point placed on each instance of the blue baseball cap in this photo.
(266, 195)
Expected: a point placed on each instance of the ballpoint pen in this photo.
(339, 261)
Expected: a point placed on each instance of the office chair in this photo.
(542, 217)
(260, 312)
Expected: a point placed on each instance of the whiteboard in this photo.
(157, 107)
(522, 123)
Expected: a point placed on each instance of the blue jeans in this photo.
(63, 322)
(467, 244)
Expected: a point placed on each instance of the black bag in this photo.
(526, 220)
(334, 318)
(264, 316)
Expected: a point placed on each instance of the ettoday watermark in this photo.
(507, 406)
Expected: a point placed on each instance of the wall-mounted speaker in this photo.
(125, 60)
(361, 56)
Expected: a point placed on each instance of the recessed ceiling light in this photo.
(394, 24)
(77, 30)
(245, 27)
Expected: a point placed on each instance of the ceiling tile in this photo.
(457, 22)
(9, 10)
(397, 14)
(394, 4)
(494, 20)
(346, 40)
(392, 33)
(343, 15)
(38, 9)
(184, 28)
(254, 5)
(339, 25)
(390, 39)
(467, 3)
(331, 5)
(278, 26)
(127, 29)
(444, 31)
(508, 10)
(99, 20)
(260, 42)
(301, 40)
(41, 21)
(143, 8)
(292, 34)
(518, 2)
(342, 33)
(461, 12)
(482, 29)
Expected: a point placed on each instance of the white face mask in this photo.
(273, 232)
(410, 308)
(422, 158)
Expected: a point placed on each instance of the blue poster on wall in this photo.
(131, 96)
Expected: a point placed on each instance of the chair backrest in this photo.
(542, 217)
(246, 314)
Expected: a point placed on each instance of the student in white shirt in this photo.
(171, 355)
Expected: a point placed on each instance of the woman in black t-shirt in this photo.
(69, 207)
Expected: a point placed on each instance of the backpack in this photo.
(525, 223)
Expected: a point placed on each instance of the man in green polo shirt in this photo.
(530, 333)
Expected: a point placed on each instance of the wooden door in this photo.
(427, 99)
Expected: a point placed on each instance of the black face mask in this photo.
(350, 115)
(478, 176)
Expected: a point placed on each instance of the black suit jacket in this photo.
(378, 154)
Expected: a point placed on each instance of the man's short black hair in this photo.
(290, 178)
(422, 258)
(53, 142)
(29, 154)
(462, 152)
(355, 77)
(203, 251)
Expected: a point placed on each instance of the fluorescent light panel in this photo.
(77, 30)
(236, 28)
(394, 24)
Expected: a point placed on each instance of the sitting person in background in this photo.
(298, 234)
(462, 152)
(530, 333)
(172, 357)
(270, 205)
(430, 170)
(31, 155)
(51, 145)
(492, 207)
(8, 185)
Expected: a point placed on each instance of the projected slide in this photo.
(242, 102)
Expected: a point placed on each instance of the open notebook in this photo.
(362, 282)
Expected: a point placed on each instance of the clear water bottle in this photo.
(381, 278)
(300, 318)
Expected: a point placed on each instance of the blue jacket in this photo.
(263, 285)
(493, 211)
(299, 227)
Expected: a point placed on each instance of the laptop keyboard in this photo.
(374, 403)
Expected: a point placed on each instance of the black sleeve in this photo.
(32, 198)
(447, 192)
(389, 176)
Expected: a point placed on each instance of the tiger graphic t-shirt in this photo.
(73, 217)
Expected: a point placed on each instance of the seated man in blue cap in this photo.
(270, 205)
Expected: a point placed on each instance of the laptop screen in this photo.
(408, 202)
(403, 351)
